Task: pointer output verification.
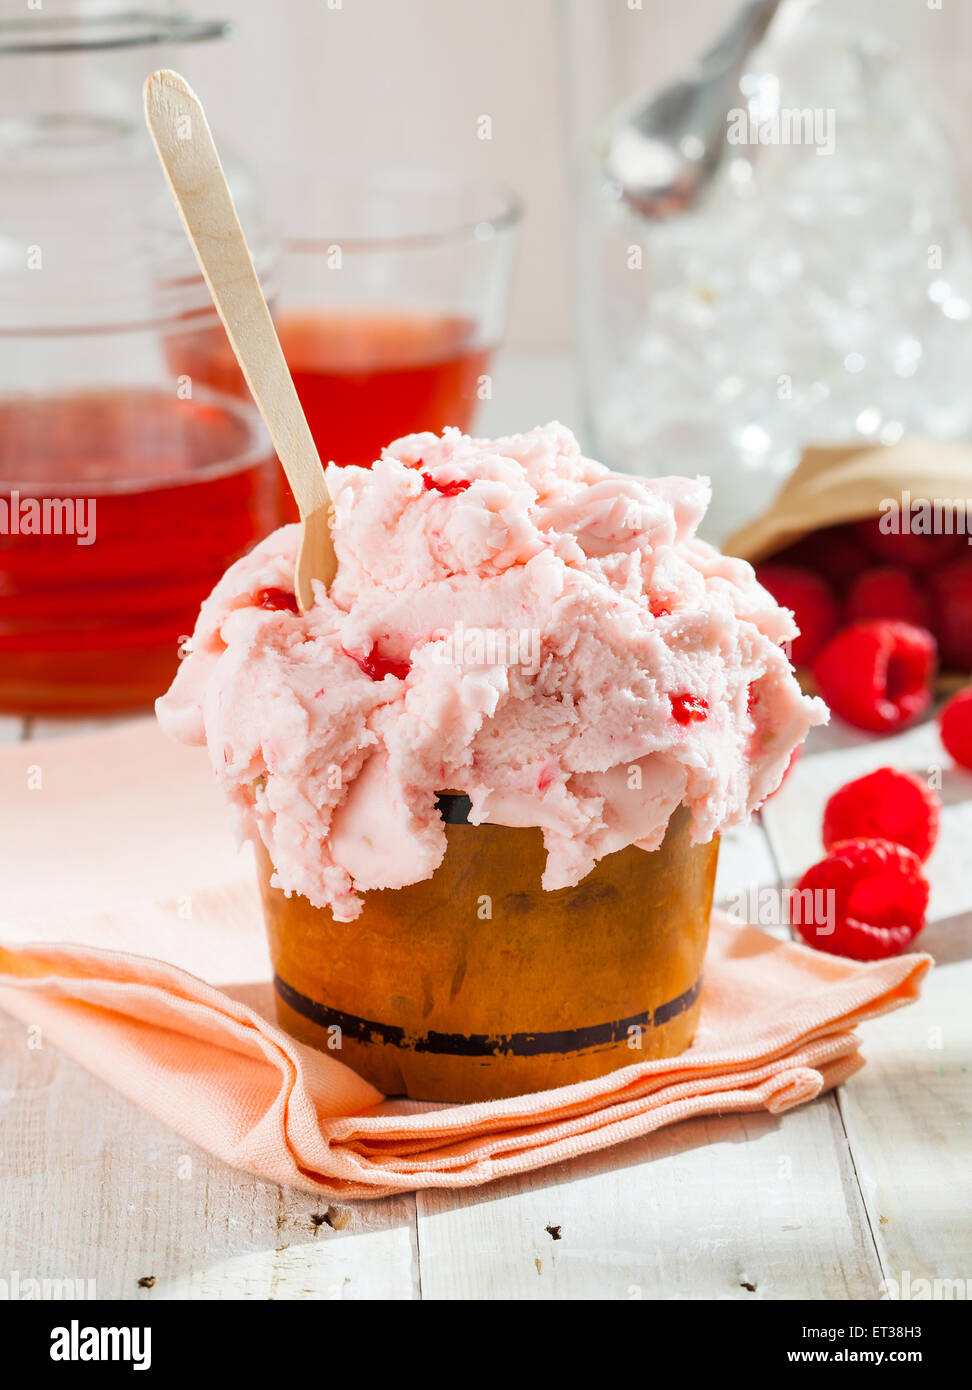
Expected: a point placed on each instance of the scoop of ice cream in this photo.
(511, 620)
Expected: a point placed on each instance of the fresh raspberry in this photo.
(837, 555)
(910, 549)
(877, 675)
(832, 552)
(885, 805)
(811, 601)
(955, 727)
(889, 592)
(952, 592)
(687, 709)
(866, 900)
(277, 600)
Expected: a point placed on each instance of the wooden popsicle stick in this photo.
(182, 137)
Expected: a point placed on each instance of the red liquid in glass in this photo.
(363, 379)
(178, 495)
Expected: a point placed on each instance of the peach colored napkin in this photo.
(108, 983)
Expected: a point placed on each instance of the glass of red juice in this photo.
(391, 298)
(119, 509)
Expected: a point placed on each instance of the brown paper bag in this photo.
(851, 483)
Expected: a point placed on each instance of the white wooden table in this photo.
(824, 1202)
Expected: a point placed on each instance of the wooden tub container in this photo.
(477, 984)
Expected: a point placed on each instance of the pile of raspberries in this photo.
(877, 612)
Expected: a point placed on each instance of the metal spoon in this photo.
(664, 152)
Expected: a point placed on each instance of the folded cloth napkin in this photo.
(777, 1030)
(777, 1018)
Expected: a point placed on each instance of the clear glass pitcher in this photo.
(128, 480)
(819, 291)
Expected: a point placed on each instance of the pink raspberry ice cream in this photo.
(509, 620)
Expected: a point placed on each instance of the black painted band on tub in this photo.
(485, 1044)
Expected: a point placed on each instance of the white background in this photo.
(379, 83)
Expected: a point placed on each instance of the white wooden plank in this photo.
(907, 1113)
(948, 866)
(908, 1116)
(727, 1207)
(95, 1188)
(368, 1265)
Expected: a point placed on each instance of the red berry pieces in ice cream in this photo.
(278, 600)
(867, 899)
(447, 489)
(877, 675)
(687, 709)
(955, 727)
(378, 667)
(888, 592)
(885, 805)
(811, 602)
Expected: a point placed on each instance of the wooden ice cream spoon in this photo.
(185, 146)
